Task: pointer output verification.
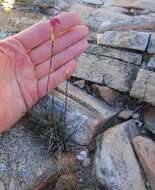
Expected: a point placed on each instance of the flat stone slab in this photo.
(126, 56)
(145, 149)
(94, 2)
(122, 22)
(104, 70)
(87, 14)
(93, 17)
(149, 118)
(23, 162)
(88, 101)
(151, 47)
(151, 63)
(90, 113)
(144, 86)
(143, 4)
(123, 39)
(17, 21)
(116, 164)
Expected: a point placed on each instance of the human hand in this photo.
(25, 63)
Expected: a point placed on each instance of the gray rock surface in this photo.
(151, 47)
(104, 70)
(94, 2)
(143, 87)
(128, 40)
(125, 56)
(17, 21)
(106, 94)
(2, 186)
(88, 101)
(145, 149)
(115, 164)
(149, 118)
(144, 4)
(24, 163)
(90, 112)
(151, 63)
(115, 21)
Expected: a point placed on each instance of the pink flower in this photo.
(54, 22)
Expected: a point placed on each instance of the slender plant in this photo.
(47, 120)
(66, 99)
(54, 22)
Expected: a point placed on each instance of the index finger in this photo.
(41, 32)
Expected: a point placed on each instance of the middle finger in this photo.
(42, 53)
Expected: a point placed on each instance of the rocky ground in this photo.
(112, 94)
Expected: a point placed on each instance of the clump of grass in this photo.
(51, 127)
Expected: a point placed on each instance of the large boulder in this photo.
(116, 165)
(145, 149)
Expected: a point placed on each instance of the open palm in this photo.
(25, 63)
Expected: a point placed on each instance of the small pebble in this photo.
(135, 116)
(125, 114)
(86, 162)
(137, 121)
(79, 83)
(140, 124)
(81, 156)
(80, 180)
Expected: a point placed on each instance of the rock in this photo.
(86, 125)
(88, 101)
(151, 47)
(145, 149)
(16, 21)
(138, 123)
(143, 87)
(151, 63)
(79, 83)
(143, 4)
(5, 33)
(26, 162)
(87, 14)
(125, 56)
(67, 182)
(122, 22)
(107, 94)
(93, 17)
(136, 116)
(94, 2)
(149, 119)
(110, 17)
(95, 113)
(122, 39)
(81, 156)
(86, 162)
(61, 5)
(2, 187)
(115, 163)
(106, 71)
(40, 5)
(125, 114)
(41, 186)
